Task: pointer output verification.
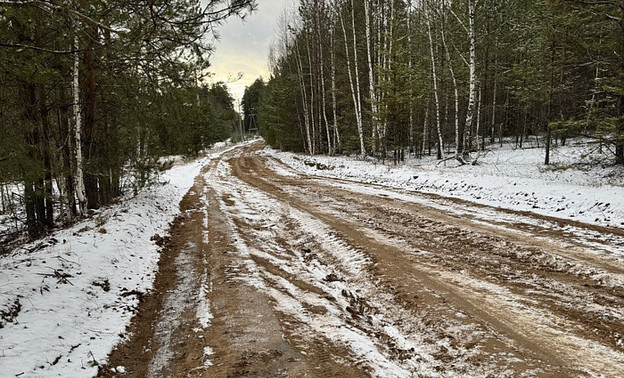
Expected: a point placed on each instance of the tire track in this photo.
(554, 343)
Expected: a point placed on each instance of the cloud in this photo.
(243, 46)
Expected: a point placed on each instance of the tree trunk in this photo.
(333, 83)
(92, 151)
(27, 93)
(458, 146)
(358, 114)
(80, 186)
(312, 107)
(473, 71)
(48, 218)
(371, 78)
(330, 149)
(493, 124)
(67, 151)
(304, 100)
(425, 129)
(357, 83)
(619, 131)
(619, 136)
(479, 140)
(410, 137)
(435, 87)
(31, 215)
(548, 137)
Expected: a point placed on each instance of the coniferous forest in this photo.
(445, 77)
(93, 91)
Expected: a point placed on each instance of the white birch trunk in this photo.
(357, 83)
(410, 138)
(353, 92)
(493, 124)
(371, 77)
(452, 71)
(330, 150)
(383, 42)
(304, 101)
(435, 86)
(478, 120)
(476, 159)
(333, 84)
(377, 46)
(80, 186)
(390, 60)
(424, 139)
(473, 74)
(311, 108)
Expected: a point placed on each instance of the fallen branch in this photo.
(61, 277)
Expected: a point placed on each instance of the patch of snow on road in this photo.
(207, 353)
(204, 314)
(175, 303)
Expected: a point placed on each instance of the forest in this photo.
(92, 93)
(446, 77)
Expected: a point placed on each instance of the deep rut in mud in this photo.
(272, 275)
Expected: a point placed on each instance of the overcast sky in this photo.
(244, 46)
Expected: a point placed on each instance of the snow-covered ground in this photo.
(66, 301)
(571, 188)
(13, 219)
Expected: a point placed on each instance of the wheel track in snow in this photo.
(278, 267)
(606, 344)
(447, 355)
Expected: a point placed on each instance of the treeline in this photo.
(93, 90)
(446, 77)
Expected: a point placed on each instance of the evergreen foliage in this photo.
(91, 90)
(548, 68)
(251, 103)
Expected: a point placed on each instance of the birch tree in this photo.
(462, 55)
(472, 92)
(434, 78)
(80, 187)
(76, 82)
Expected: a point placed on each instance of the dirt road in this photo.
(270, 273)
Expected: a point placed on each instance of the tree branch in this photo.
(583, 2)
(49, 6)
(20, 46)
(460, 21)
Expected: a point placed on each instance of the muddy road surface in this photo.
(272, 273)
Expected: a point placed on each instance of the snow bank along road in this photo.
(270, 272)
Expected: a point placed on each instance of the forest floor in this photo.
(271, 271)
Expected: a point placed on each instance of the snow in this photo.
(571, 188)
(207, 353)
(66, 301)
(203, 308)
